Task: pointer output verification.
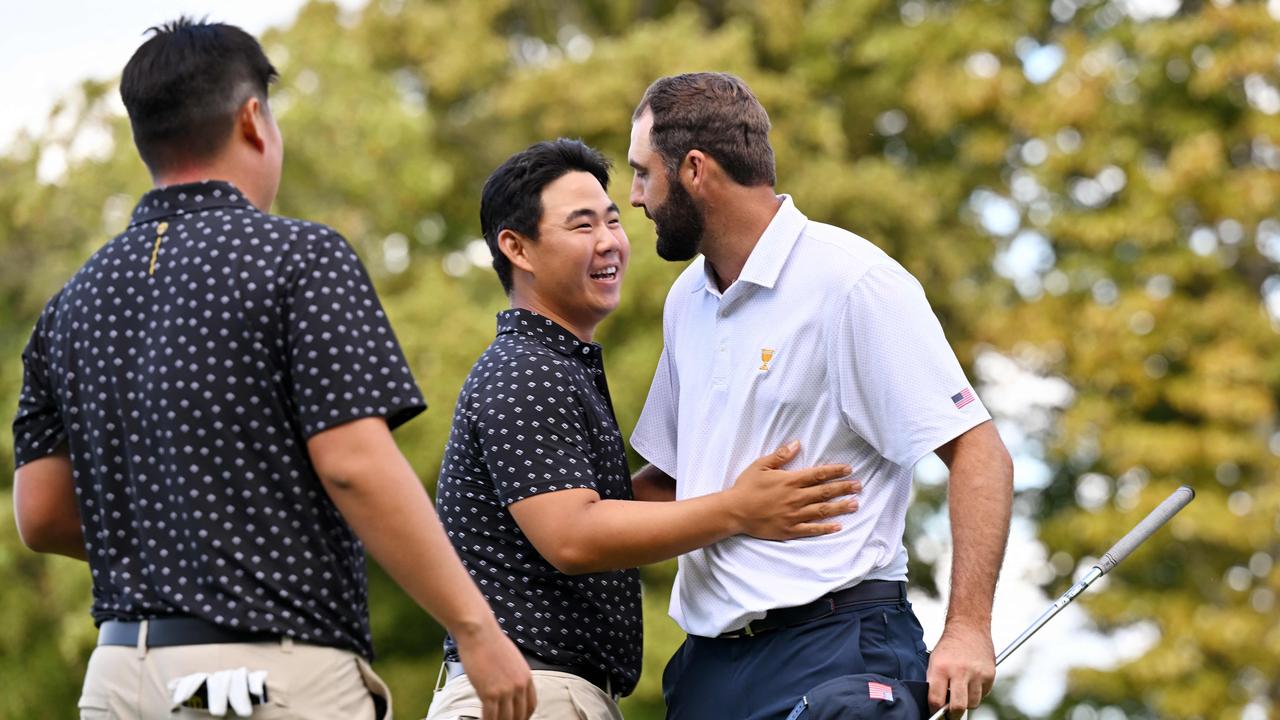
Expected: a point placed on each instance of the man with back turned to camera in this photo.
(206, 419)
(791, 328)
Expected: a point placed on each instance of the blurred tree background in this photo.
(1087, 190)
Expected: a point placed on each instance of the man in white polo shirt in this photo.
(791, 329)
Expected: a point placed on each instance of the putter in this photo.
(1127, 544)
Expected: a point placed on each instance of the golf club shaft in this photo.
(1118, 552)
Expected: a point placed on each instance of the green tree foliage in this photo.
(1085, 193)
(1153, 313)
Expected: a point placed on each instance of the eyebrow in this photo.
(588, 213)
(634, 165)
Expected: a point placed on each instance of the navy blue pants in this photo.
(763, 677)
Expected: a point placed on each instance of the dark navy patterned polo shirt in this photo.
(534, 416)
(185, 366)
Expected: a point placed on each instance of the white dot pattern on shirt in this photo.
(532, 418)
(186, 397)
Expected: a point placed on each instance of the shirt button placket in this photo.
(720, 372)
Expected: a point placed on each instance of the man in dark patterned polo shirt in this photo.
(206, 419)
(534, 490)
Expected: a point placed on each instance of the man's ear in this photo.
(694, 169)
(251, 123)
(516, 247)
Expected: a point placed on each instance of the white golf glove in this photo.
(239, 688)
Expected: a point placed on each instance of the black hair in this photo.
(182, 88)
(512, 196)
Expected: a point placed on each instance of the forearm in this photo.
(578, 532)
(980, 495)
(615, 534)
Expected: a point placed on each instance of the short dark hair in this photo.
(182, 88)
(715, 113)
(512, 196)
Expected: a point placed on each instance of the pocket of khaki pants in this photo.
(579, 707)
(591, 703)
(377, 688)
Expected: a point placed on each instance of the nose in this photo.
(637, 192)
(610, 241)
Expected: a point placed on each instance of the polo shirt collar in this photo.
(765, 262)
(546, 332)
(187, 198)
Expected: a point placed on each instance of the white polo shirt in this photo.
(823, 338)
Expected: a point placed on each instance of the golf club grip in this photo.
(1146, 528)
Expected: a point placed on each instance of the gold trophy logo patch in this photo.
(766, 356)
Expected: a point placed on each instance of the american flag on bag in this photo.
(879, 691)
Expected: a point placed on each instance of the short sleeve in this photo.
(38, 429)
(533, 431)
(344, 360)
(654, 437)
(897, 381)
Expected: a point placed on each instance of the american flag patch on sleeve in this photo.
(879, 691)
(962, 398)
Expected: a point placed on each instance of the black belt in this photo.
(867, 592)
(170, 631)
(596, 676)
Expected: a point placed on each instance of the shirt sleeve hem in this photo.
(395, 417)
(402, 415)
(21, 458)
(641, 446)
(916, 452)
(528, 492)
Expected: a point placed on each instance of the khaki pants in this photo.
(561, 696)
(303, 681)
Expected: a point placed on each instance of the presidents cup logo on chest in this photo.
(766, 357)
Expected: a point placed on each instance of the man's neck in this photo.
(211, 171)
(527, 301)
(734, 227)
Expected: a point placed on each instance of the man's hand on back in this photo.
(776, 504)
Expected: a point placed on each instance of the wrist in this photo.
(733, 510)
(968, 622)
(471, 630)
(967, 607)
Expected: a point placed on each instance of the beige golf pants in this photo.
(561, 696)
(303, 681)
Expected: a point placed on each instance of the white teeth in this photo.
(608, 272)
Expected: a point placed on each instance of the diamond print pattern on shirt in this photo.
(534, 416)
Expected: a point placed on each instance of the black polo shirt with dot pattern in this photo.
(534, 416)
(184, 366)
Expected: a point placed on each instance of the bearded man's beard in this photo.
(679, 224)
